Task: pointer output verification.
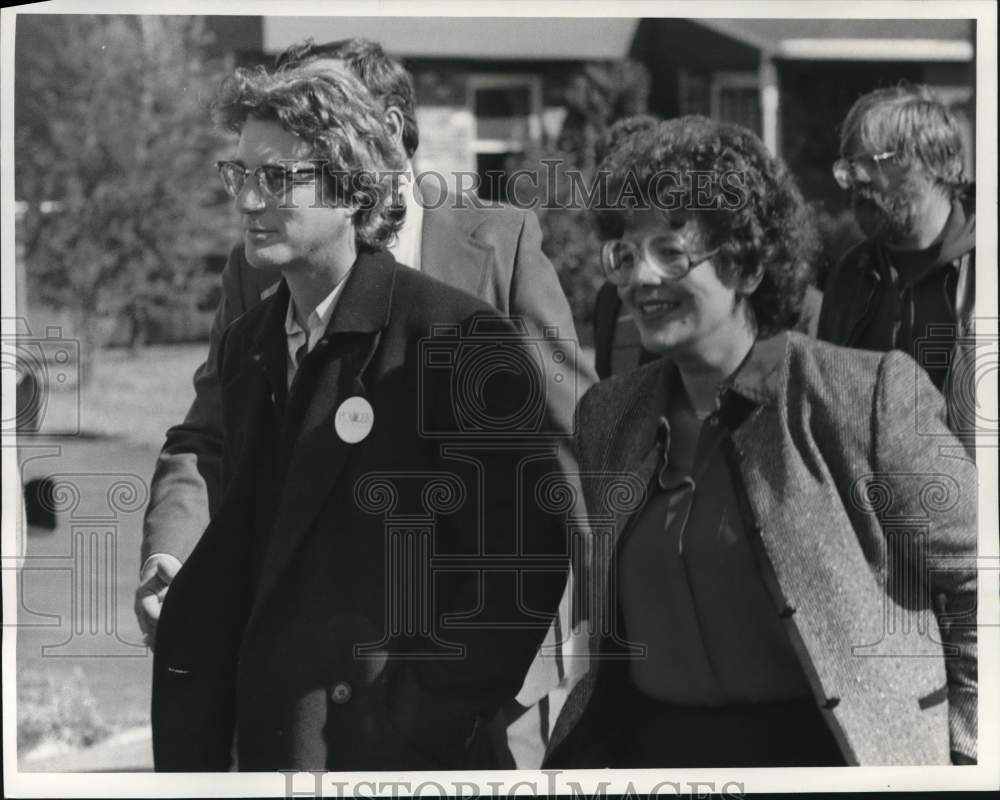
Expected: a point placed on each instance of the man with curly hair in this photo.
(306, 630)
(746, 566)
(494, 254)
(910, 285)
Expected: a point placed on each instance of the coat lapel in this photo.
(867, 297)
(317, 457)
(452, 254)
(268, 351)
(633, 415)
(636, 450)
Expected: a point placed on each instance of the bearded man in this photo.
(910, 285)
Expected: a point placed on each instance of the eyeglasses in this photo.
(273, 180)
(859, 169)
(661, 251)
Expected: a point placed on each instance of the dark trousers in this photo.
(631, 730)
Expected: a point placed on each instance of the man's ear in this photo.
(394, 121)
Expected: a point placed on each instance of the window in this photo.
(735, 97)
(693, 92)
(507, 114)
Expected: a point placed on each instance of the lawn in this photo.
(134, 396)
(81, 669)
(82, 673)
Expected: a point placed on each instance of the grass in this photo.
(103, 686)
(124, 411)
(61, 711)
(131, 395)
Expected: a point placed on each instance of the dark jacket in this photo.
(858, 521)
(339, 612)
(494, 254)
(934, 311)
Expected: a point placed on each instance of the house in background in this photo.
(488, 88)
(492, 89)
(793, 80)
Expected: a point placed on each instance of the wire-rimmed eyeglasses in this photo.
(859, 168)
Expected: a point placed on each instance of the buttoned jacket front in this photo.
(334, 615)
(861, 509)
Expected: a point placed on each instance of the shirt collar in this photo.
(757, 379)
(318, 320)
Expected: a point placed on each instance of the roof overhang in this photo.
(480, 38)
(850, 40)
(875, 49)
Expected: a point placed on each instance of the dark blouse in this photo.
(690, 589)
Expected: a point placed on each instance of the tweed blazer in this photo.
(861, 509)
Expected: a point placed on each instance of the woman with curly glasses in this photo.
(780, 555)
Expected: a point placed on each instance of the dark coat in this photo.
(861, 518)
(494, 254)
(285, 624)
(943, 298)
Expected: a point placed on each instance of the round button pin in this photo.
(354, 419)
(341, 693)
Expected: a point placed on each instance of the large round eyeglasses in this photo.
(662, 252)
(273, 180)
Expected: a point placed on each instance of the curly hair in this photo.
(621, 130)
(910, 121)
(385, 77)
(336, 116)
(747, 202)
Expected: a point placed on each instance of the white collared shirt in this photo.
(316, 326)
(406, 248)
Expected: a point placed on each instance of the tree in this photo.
(600, 95)
(113, 152)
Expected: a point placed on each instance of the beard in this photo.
(888, 216)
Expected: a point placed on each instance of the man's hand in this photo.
(157, 574)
